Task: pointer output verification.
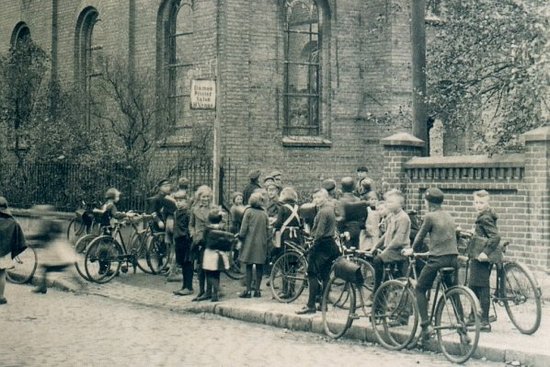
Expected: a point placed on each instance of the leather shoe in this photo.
(245, 294)
(3, 301)
(257, 294)
(183, 292)
(306, 311)
(41, 290)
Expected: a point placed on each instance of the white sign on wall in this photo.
(203, 94)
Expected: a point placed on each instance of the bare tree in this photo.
(128, 104)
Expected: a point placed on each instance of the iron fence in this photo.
(66, 185)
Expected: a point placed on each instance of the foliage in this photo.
(488, 69)
(22, 76)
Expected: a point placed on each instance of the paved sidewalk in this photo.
(504, 344)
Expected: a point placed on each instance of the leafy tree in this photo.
(22, 77)
(488, 69)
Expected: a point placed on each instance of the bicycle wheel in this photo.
(288, 277)
(157, 253)
(138, 248)
(457, 324)
(338, 307)
(394, 315)
(235, 271)
(75, 229)
(103, 259)
(24, 267)
(81, 248)
(368, 274)
(522, 298)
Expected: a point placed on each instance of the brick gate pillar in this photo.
(537, 185)
(398, 149)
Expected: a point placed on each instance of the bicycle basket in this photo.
(348, 271)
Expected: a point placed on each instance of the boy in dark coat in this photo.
(441, 227)
(12, 243)
(484, 252)
(182, 238)
(323, 252)
(253, 185)
(216, 259)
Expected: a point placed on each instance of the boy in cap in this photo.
(253, 185)
(364, 183)
(441, 228)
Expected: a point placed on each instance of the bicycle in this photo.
(25, 265)
(339, 302)
(288, 277)
(515, 289)
(83, 223)
(454, 314)
(106, 254)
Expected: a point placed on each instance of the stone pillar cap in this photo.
(403, 139)
(540, 134)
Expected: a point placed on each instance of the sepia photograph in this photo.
(220, 183)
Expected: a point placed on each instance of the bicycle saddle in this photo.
(448, 270)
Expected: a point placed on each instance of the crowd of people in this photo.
(266, 214)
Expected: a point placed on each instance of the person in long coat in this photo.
(254, 235)
(197, 225)
(12, 243)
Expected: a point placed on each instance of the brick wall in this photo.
(518, 184)
(366, 64)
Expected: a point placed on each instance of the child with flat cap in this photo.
(441, 228)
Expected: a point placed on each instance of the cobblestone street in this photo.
(63, 329)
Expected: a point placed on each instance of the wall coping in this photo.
(29, 213)
(468, 161)
(403, 139)
(540, 134)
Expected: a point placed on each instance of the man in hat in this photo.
(277, 177)
(12, 243)
(364, 183)
(443, 249)
(253, 185)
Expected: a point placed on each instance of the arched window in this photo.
(21, 35)
(176, 59)
(88, 55)
(304, 27)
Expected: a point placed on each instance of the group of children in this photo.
(263, 216)
(440, 230)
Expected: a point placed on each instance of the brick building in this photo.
(302, 83)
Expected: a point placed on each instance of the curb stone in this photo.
(293, 322)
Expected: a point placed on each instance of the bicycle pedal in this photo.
(354, 316)
(124, 269)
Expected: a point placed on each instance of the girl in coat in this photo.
(254, 235)
(197, 225)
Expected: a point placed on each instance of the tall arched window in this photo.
(304, 27)
(176, 59)
(88, 55)
(21, 34)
